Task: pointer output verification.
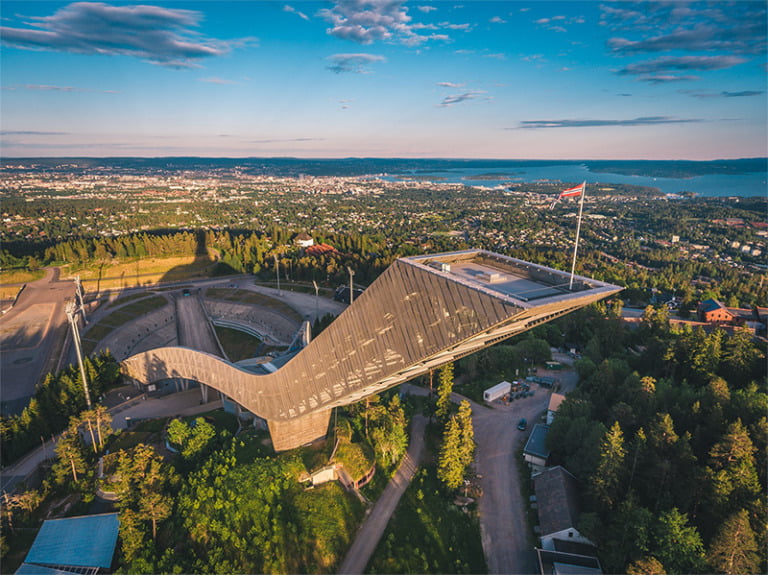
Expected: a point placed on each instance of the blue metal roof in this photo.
(87, 541)
(536, 444)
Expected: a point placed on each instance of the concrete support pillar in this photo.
(292, 433)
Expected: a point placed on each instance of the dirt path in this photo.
(374, 525)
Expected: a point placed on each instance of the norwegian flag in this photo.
(570, 193)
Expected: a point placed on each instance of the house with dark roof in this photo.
(557, 499)
(84, 544)
(535, 451)
(558, 563)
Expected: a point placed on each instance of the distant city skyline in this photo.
(384, 78)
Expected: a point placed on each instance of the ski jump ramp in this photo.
(422, 312)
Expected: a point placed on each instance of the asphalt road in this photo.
(31, 335)
(503, 526)
(373, 527)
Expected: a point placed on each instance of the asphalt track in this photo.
(32, 334)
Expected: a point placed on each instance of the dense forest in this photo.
(640, 270)
(666, 433)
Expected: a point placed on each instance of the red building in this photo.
(712, 311)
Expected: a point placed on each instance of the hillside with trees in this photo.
(666, 434)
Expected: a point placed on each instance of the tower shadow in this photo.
(207, 263)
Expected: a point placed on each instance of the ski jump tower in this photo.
(422, 312)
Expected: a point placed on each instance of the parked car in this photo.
(522, 425)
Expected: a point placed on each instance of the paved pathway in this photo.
(31, 333)
(370, 532)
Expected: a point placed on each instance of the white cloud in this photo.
(293, 10)
(368, 21)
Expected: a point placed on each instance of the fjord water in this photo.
(709, 185)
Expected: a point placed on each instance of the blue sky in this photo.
(384, 78)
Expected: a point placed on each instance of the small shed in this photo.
(82, 544)
(535, 452)
(497, 391)
(554, 404)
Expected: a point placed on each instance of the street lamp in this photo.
(81, 297)
(317, 300)
(277, 273)
(351, 292)
(71, 311)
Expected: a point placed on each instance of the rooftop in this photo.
(517, 280)
(537, 442)
(554, 401)
(87, 542)
(557, 498)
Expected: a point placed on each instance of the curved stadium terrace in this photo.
(422, 312)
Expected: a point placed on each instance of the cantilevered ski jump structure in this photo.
(422, 312)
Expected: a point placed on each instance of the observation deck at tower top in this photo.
(497, 275)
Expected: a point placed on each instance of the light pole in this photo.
(351, 291)
(81, 297)
(71, 311)
(277, 273)
(317, 300)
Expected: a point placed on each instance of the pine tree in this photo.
(678, 545)
(450, 465)
(71, 458)
(732, 467)
(467, 433)
(646, 566)
(444, 390)
(607, 479)
(734, 548)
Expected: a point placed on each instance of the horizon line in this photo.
(4, 158)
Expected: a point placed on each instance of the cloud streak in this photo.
(594, 123)
(723, 94)
(30, 133)
(154, 34)
(667, 63)
(49, 88)
(284, 140)
(353, 63)
(454, 99)
(292, 10)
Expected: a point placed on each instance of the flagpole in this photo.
(578, 229)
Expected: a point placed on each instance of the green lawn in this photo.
(429, 533)
(237, 344)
